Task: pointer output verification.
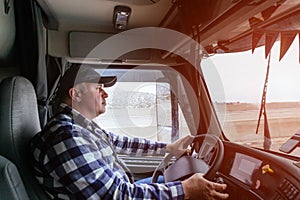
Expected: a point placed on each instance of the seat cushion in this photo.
(11, 185)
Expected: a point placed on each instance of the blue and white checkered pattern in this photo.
(76, 159)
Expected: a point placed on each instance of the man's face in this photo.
(93, 99)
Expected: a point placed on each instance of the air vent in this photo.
(289, 190)
(278, 197)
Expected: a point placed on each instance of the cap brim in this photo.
(108, 81)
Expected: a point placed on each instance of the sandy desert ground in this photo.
(242, 118)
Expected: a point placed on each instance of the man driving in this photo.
(76, 159)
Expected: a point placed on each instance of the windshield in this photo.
(254, 108)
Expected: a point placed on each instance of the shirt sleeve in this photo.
(137, 146)
(79, 165)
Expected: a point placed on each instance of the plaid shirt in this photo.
(76, 159)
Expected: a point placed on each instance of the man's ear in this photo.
(75, 94)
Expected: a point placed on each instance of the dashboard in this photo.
(256, 174)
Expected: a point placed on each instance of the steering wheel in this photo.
(207, 161)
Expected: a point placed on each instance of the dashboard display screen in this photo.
(243, 167)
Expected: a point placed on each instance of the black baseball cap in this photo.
(83, 74)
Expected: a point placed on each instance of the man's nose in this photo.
(104, 94)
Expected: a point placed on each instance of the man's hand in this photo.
(196, 187)
(179, 147)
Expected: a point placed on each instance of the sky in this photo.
(242, 75)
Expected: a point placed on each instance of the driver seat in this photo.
(19, 122)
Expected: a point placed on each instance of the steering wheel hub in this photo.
(207, 161)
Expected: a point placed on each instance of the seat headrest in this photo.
(19, 119)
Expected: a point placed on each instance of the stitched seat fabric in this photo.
(11, 185)
(19, 121)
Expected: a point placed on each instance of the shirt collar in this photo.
(75, 115)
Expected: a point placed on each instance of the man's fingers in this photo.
(220, 195)
(188, 152)
(219, 188)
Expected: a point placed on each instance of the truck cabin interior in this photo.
(160, 42)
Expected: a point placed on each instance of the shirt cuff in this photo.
(176, 189)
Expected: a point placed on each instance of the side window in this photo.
(143, 109)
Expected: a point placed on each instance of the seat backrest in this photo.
(19, 121)
(11, 185)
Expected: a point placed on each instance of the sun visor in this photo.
(85, 44)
